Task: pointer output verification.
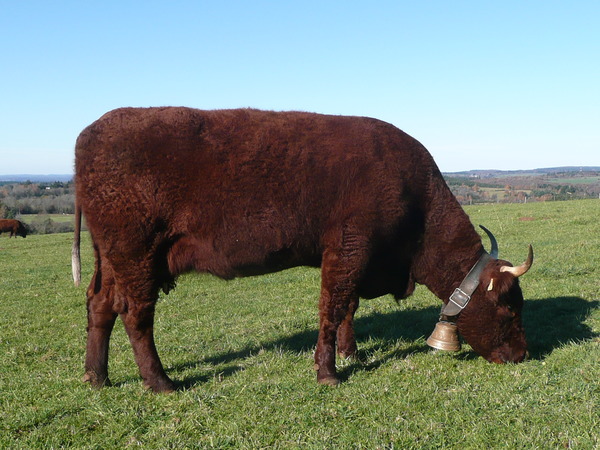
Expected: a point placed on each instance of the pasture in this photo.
(242, 352)
(60, 218)
(575, 180)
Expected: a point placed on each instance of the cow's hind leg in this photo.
(101, 319)
(136, 294)
(139, 324)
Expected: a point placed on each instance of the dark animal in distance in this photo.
(246, 192)
(14, 227)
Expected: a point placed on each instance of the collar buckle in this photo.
(460, 298)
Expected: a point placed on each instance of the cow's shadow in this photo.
(549, 323)
(552, 322)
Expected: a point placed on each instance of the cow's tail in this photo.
(75, 254)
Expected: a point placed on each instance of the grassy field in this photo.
(242, 351)
(28, 218)
(574, 180)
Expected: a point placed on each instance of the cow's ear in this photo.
(491, 285)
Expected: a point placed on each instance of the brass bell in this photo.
(444, 337)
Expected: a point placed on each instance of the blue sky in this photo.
(503, 85)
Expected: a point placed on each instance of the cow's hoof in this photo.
(328, 381)
(327, 378)
(162, 386)
(96, 380)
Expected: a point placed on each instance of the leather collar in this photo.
(462, 295)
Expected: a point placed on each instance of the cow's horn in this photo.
(523, 268)
(494, 251)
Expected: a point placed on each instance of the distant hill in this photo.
(492, 173)
(34, 178)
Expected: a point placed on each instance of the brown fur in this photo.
(15, 227)
(245, 192)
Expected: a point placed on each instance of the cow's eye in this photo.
(511, 310)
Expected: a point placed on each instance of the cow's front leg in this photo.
(346, 342)
(325, 352)
(335, 321)
(337, 305)
(139, 324)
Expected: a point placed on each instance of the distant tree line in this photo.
(38, 198)
(17, 199)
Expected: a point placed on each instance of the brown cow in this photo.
(245, 192)
(15, 227)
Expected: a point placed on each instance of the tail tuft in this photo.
(75, 253)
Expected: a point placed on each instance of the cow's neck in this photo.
(450, 245)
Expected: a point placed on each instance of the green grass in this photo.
(242, 351)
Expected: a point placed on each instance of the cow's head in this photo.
(491, 321)
(491, 324)
(22, 230)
